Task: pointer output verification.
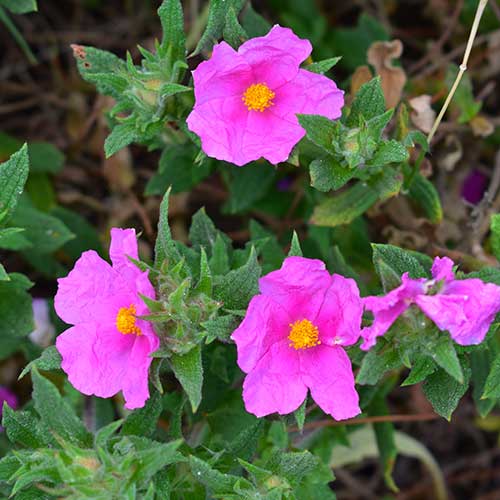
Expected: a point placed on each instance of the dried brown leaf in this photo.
(422, 115)
(380, 56)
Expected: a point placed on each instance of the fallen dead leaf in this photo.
(481, 126)
(381, 55)
(361, 75)
(422, 114)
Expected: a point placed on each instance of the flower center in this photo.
(125, 321)
(258, 97)
(303, 334)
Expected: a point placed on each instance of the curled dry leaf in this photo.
(451, 153)
(380, 56)
(422, 115)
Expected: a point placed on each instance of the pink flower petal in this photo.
(387, 308)
(309, 93)
(95, 358)
(225, 74)
(265, 323)
(442, 269)
(88, 290)
(275, 58)
(135, 382)
(466, 308)
(275, 384)
(123, 245)
(327, 371)
(299, 286)
(339, 319)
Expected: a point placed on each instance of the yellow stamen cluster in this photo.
(303, 334)
(125, 321)
(258, 97)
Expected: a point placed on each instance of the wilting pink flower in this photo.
(291, 340)
(109, 348)
(247, 100)
(465, 308)
(7, 396)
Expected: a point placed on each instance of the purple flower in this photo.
(465, 308)
(247, 100)
(109, 348)
(291, 340)
(474, 186)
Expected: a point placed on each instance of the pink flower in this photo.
(291, 340)
(247, 100)
(108, 349)
(466, 308)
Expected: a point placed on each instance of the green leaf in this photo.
(344, 207)
(321, 67)
(121, 136)
(143, 421)
(444, 354)
(401, 261)
(41, 191)
(178, 170)
(375, 364)
(220, 328)
(203, 232)
(327, 174)
(294, 467)
(300, 415)
(49, 360)
(165, 248)
(320, 130)
(495, 235)
(481, 364)
(295, 249)
(204, 284)
(45, 233)
(12, 239)
(444, 392)
(20, 6)
(368, 103)
(216, 22)
(492, 384)
(249, 185)
(233, 32)
(3, 274)
(23, 428)
(16, 313)
(56, 412)
(13, 175)
(188, 370)
(425, 194)
(389, 152)
(173, 42)
(421, 369)
(45, 158)
(236, 288)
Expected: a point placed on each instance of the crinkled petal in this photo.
(308, 93)
(89, 289)
(442, 269)
(225, 74)
(229, 132)
(275, 384)
(466, 308)
(124, 245)
(327, 371)
(265, 323)
(135, 385)
(339, 318)
(221, 125)
(387, 308)
(299, 286)
(95, 358)
(276, 57)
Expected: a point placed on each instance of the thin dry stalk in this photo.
(463, 67)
